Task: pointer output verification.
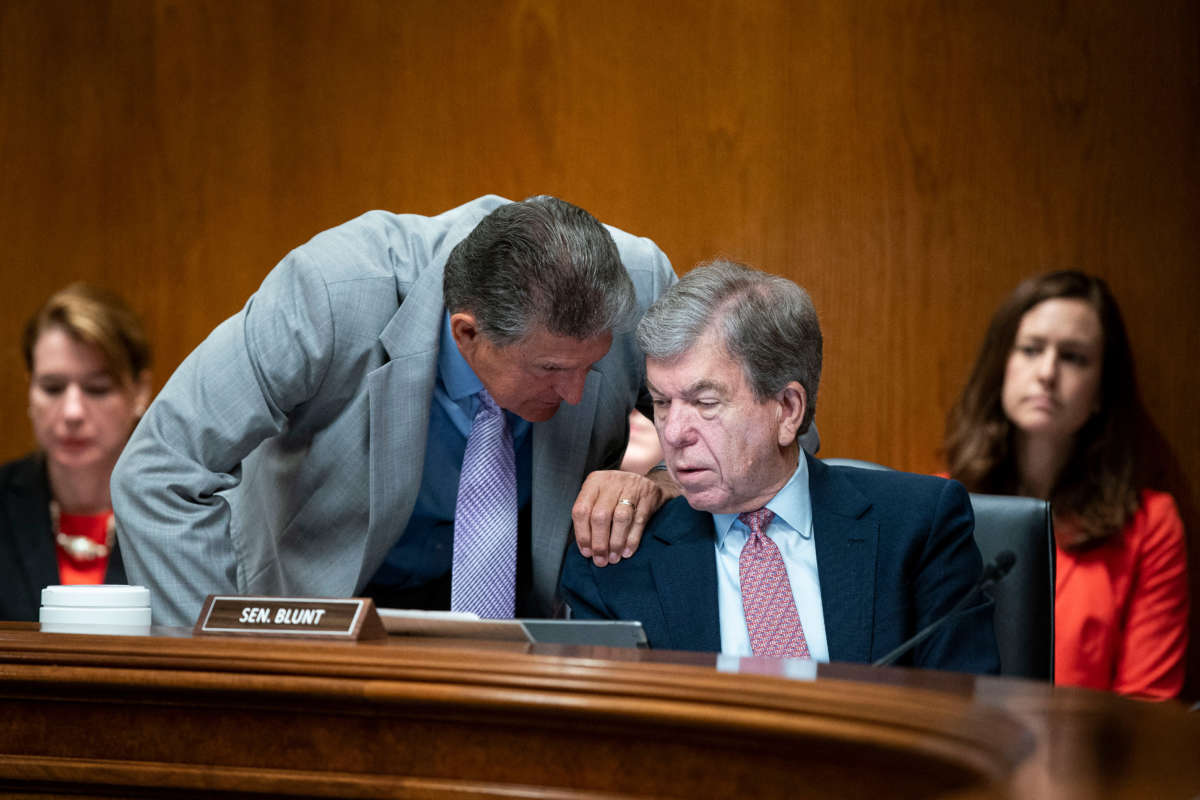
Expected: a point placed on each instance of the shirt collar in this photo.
(791, 504)
(456, 374)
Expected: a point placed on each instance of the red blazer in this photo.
(1121, 609)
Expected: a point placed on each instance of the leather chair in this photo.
(1024, 610)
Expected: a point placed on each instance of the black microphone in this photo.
(992, 573)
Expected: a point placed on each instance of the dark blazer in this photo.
(27, 557)
(894, 552)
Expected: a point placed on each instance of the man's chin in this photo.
(703, 499)
(538, 413)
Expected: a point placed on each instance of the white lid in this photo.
(102, 595)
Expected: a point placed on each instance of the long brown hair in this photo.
(1097, 489)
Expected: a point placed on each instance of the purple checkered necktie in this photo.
(767, 598)
(484, 571)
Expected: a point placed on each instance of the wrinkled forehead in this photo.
(562, 352)
(705, 366)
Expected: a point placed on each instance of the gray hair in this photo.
(539, 263)
(766, 323)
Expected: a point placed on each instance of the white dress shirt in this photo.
(792, 532)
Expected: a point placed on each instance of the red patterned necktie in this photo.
(767, 598)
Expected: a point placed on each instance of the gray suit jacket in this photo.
(284, 456)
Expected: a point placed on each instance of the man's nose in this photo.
(570, 386)
(675, 425)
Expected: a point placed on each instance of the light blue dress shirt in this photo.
(426, 549)
(792, 532)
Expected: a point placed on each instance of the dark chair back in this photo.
(1024, 612)
(1024, 616)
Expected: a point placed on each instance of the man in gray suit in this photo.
(312, 444)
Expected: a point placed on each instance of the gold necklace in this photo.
(81, 548)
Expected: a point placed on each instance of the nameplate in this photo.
(294, 617)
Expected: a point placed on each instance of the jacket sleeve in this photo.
(1150, 660)
(231, 393)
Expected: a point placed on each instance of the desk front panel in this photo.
(219, 717)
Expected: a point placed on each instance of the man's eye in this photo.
(98, 389)
(52, 388)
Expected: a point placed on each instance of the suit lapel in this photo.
(400, 394)
(30, 516)
(559, 459)
(685, 576)
(846, 553)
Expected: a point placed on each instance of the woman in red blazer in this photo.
(1052, 410)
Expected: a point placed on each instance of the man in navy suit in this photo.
(769, 552)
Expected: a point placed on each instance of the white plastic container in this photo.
(91, 609)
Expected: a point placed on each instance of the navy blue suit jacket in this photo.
(895, 551)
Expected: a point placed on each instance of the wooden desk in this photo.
(173, 715)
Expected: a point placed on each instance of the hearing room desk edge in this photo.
(172, 714)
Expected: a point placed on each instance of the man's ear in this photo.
(465, 330)
(793, 402)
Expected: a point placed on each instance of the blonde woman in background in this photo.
(89, 382)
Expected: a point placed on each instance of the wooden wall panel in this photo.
(909, 162)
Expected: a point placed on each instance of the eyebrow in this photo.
(557, 362)
(50, 374)
(703, 385)
(1068, 342)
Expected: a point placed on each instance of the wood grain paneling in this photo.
(909, 162)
